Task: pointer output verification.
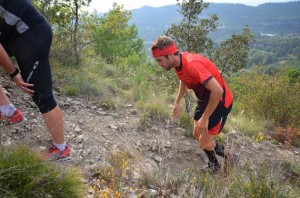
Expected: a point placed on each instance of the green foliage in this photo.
(187, 123)
(70, 90)
(260, 184)
(24, 174)
(153, 109)
(293, 75)
(191, 34)
(242, 122)
(258, 57)
(71, 27)
(73, 38)
(269, 97)
(278, 49)
(58, 13)
(112, 178)
(115, 38)
(246, 182)
(102, 85)
(232, 55)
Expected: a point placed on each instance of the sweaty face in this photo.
(164, 62)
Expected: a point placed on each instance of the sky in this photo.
(105, 5)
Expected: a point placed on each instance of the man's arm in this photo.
(14, 73)
(5, 61)
(180, 94)
(216, 92)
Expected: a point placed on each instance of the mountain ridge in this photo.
(268, 18)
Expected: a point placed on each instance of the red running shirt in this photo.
(196, 70)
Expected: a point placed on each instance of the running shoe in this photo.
(16, 119)
(54, 154)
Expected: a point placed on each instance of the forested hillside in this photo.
(276, 27)
(269, 18)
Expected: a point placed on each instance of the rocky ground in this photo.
(93, 133)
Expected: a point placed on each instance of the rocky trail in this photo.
(94, 133)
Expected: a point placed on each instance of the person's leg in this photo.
(3, 98)
(208, 144)
(9, 114)
(207, 141)
(54, 122)
(35, 69)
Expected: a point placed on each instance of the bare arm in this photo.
(216, 92)
(5, 61)
(180, 94)
(7, 64)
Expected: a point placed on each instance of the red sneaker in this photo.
(54, 154)
(15, 119)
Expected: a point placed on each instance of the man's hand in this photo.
(25, 87)
(175, 112)
(202, 125)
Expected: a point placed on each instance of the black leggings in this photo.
(31, 50)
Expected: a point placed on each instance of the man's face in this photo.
(165, 62)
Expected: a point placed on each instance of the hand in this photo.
(25, 87)
(202, 125)
(175, 112)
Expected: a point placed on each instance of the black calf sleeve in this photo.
(45, 104)
(219, 149)
(211, 157)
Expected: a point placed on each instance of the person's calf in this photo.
(213, 161)
(219, 149)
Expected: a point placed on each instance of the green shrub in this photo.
(24, 174)
(112, 177)
(268, 97)
(70, 90)
(265, 182)
(187, 123)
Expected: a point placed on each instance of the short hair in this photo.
(161, 42)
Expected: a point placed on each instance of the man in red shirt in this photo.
(214, 98)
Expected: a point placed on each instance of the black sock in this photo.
(219, 149)
(211, 157)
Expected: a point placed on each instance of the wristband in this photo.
(16, 72)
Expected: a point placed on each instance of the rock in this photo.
(77, 129)
(133, 112)
(79, 138)
(102, 113)
(112, 126)
(158, 158)
(93, 107)
(5, 140)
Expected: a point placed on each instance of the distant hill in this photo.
(264, 20)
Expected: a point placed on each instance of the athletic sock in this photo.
(61, 147)
(211, 157)
(8, 110)
(219, 149)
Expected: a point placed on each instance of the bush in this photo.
(24, 174)
(269, 97)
